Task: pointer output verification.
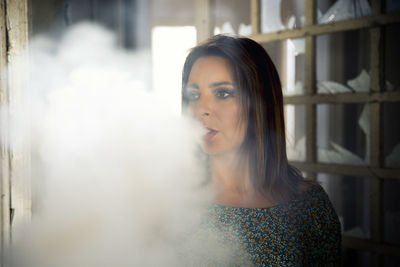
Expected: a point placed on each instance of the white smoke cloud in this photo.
(117, 180)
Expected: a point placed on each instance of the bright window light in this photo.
(170, 47)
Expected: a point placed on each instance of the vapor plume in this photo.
(116, 177)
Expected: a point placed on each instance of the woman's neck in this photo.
(231, 182)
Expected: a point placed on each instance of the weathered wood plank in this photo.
(311, 12)
(18, 95)
(311, 133)
(347, 170)
(366, 244)
(376, 136)
(255, 16)
(343, 98)
(5, 197)
(317, 29)
(377, 52)
(204, 19)
(310, 85)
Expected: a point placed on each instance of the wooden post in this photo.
(310, 85)
(376, 136)
(5, 200)
(19, 171)
(204, 19)
(255, 16)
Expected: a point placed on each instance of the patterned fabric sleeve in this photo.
(324, 233)
(303, 232)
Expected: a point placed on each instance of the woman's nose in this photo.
(203, 106)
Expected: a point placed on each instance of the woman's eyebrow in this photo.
(216, 84)
(193, 86)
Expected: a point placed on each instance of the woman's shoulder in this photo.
(316, 210)
(312, 196)
(308, 218)
(322, 225)
(310, 192)
(311, 201)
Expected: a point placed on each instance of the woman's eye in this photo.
(192, 96)
(224, 93)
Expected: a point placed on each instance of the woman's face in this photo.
(213, 100)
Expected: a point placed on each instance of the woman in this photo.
(232, 87)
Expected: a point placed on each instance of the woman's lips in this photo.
(209, 135)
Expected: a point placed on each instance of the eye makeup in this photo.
(221, 91)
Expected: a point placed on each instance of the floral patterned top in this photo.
(302, 232)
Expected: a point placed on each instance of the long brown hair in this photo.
(260, 91)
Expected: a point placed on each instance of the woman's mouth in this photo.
(209, 135)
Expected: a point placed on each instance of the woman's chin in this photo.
(210, 149)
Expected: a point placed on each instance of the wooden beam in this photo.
(311, 133)
(341, 98)
(310, 85)
(369, 245)
(5, 188)
(377, 87)
(255, 16)
(317, 29)
(348, 170)
(311, 11)
(377, 53)
(376, 135)
(204, 19)
(18, 104)
(310, 67)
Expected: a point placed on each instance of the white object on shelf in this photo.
(338, 155)
(393, 160)
(346, 9)
(329, 87)
(244, 30)
(227, 28)
(361, 83)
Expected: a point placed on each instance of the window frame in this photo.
(376, 170)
